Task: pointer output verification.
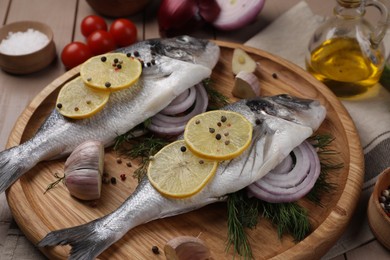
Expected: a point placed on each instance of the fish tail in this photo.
(12, 166)
(85, 240)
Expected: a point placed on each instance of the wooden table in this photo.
(64, 17)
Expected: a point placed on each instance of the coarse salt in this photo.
(19, 43)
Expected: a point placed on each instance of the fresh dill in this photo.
(242, 213)
(53, 184)
(289, 218)
(142, 148)
(216, 98)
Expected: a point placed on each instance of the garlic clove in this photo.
(83, 170)
(241, 61)
(186, 248)
(246, 85)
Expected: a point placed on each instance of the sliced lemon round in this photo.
(177, 173)
(76, 100)
(111, 71)
(218, 135)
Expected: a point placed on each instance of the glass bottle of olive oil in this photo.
(346, 53)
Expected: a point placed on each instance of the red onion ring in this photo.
(174, 125)
(280, 191)
(182, 106)
(180, 98)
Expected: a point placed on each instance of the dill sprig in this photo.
(53, 184)
(242, 213)
(288, 218)
(139, 148)
(216, 98)
(323, 185)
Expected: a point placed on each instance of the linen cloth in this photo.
(288, 37)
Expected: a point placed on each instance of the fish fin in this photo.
(85, 240)
(11, 167)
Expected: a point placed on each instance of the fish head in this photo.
(305, 112)
(189, 49)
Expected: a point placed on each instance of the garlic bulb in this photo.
(83, 170)
(186, 248)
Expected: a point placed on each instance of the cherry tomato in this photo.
(74, 54)
(100, 42)
(124, 32)
(92, 23)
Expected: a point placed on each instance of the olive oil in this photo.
(345, 66)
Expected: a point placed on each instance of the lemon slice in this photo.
(76, 100)
(218, 135)
(177, 173)
(111, 71)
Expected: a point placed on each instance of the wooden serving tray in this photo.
(37, 213)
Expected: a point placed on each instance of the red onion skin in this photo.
(233, 18)
(209, 10)
(176, 17)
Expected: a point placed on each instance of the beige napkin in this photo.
(288, 37)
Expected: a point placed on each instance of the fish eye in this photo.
(286, 96)
(183, 39)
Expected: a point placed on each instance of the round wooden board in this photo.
(37, 213)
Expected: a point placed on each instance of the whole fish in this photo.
(171, 66)
(280, 123)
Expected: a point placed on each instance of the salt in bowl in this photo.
(30, 61)
(377, 218)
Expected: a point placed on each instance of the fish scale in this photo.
(280, 124)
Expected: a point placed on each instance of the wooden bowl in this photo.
(31, 62)
(378, 220)
(117, 8)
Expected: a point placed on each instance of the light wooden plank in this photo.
(3, 10)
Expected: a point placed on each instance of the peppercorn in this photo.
(107, 84)
(129, 164)
(128, 54)
(123, 177)
(136, 54)
(118, 160)
(223, 119)
(59, 105)
(155, 250)
(103, 59)
(218, 136)
(211, 130)
(274, 75)
(183, 149)
(116, 60)
(113, 180)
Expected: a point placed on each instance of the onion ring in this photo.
(174, 125)
(278, 191)
(182, 106)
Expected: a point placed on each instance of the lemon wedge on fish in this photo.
(218, 135)
(78, 101)
(177, 173)
(111, 71)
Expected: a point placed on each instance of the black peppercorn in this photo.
(155, 250)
